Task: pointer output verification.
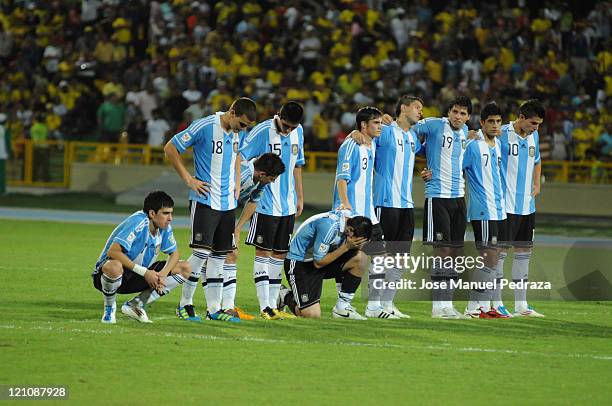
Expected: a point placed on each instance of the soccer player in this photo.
(128, 263)
(396, 149)
(283, 201)
(487, 207)
(521, 172)
(255, 177)
(326, 246)
(215, 141)
(353, 191)
(444, 218)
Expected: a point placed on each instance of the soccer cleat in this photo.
(529, 312)
(187, 312)
(222, 316)
(349, 312)
(503, 312)
(474, 313)
(285, 315)
(380, 313)
(270, 314)
(396, 312)
(449, 313)
(136, 312)
(109, 315)
(242, 315)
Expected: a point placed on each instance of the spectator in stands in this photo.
(157, 129)
(39, 133)
(5, 151)
(111, 118)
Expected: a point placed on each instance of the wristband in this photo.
(139, 269)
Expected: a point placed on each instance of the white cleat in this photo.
(348, 312)
(528, 312)
(396, 312)
(109, 315)
(135, 312)
(472, 313)
(380, 313)
(447, 313)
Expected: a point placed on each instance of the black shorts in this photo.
(271, 233)
(131, 282)
(212, 229)
(376, 245)
(444, 221)
(398, 228)
(487, 233)
(306, 281)
(520, 229)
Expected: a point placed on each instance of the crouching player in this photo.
(326, 246)
(128, 264)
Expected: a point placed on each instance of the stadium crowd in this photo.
(97, 70)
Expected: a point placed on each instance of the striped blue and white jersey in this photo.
(136, 241)
(444, 148)
(316, 236)
(394, 166)
(214, 155)
(249, 190)
(356, 167)
(519, 157)
(481, 164)
(280, 199)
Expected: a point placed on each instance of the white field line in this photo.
(207, 337)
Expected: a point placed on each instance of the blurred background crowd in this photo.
(140, 71)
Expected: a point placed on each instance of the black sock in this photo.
(290, 302)
(350, 283)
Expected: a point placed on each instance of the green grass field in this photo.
(50, 334)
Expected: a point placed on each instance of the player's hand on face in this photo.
(152, 278)
(198, 186)
(355, 242)
(426, 174)
(387, 119)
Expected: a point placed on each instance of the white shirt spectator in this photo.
(157, 130)
(192, 95)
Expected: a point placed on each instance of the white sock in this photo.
(197, 260)
(393, 275)
(260, 274)
(214, 282)
(275, 277)
(109, 288)
(520, 272)
(151, 295)
(374, 294)
(496, 294)
(229, 286)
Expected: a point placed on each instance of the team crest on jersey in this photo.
(531, 152)
(323, 247)
(259, 239)
(198, 237)
(186, 137)
(294, 149)
(172, 240)
(463, 143)
(346, 166)
(131, 237)
(236, 147)
(304, 297)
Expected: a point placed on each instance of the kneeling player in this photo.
(127, 262)
(335, 242)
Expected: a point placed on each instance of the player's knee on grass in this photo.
(112, 269)
(311, 312)
(183, 268)
(232, 257)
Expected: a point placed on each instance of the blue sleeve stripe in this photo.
(257, 130)
(196, 126)
(330, 235)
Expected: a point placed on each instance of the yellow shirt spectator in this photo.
(122, 30)
(540, 25)
(446, 19)
(104, 52)
(489, 65)
(431, 111)
(506, 58)
(434, 70)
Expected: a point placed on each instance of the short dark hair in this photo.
(245, 107)
(366, 114)
(362, 226)
(532, 108)
(292, 112)
(269, 163)
(156, 200)
(405, 100)
(490, 109)
(461, 101)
